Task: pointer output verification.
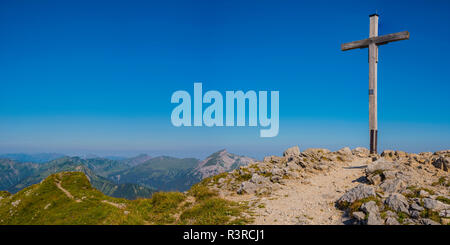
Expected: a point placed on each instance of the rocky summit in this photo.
(318, 186)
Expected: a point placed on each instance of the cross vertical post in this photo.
(373, 61)
(373, 42)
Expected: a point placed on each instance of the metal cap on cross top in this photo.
(372, 43)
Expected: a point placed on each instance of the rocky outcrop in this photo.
(396, 187)
(359, 192)
(219, 162)
(409, 189)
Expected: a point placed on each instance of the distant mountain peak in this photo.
(219, 162)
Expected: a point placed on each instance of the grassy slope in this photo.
(125, 190)
(45, 203)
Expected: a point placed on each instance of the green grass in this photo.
(442, 181)
(356, 205)
(433, 215)
(416, 191)
(401, 216)
(46, 204)
(443, 199)
(213, 211)
(201, 192)
(244, 177)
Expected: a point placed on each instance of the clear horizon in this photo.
(89, 77)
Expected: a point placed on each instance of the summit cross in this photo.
(372, 43)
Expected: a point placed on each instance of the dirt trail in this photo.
(117, 205)
(58, 184)
(310, 201)
(189, 200)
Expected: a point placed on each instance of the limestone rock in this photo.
(292, 152)
(442, 163)
(415, 214)
(379, 165)
(445, 213)
(273, 159)
(429, 222)
(391, 221)
(359, 192)
(317, 151)
(292, 166)
(247, 187)
(370, 207)
(257, 184)
(393, 185)
(345, 151)
(374, 219)
(434, 204)
(415, 206)
(374, 179)
(397, 202)
(360, 152)
(388, 154)
(423, 193)
(359, 216)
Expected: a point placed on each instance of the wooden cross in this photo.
(372, 43)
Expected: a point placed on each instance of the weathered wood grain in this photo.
(378, 40)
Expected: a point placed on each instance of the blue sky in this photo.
(96, 76)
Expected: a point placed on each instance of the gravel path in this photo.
(308, 201)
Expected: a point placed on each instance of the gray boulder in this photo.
(391, 221)
(277, 172)
(423, 193)
(369, 207)
(345, 151)
(292, 152)
(359, 192)
(393, 185)
(374, 179)
(434, 204)
(359, 217)
(415, 214)
(360, 152)
(397, 202)
(374, 219)
(415, 206)
(273, 159)
(429, 222)
(256, 184)
(379, 165)
(247, 187)
(445, 213)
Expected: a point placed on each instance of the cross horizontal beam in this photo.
(379, 40)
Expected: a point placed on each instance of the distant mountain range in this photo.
(34, 158)
(129, 178)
